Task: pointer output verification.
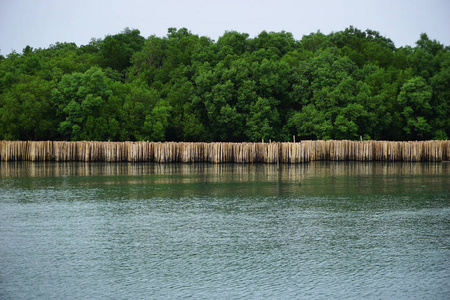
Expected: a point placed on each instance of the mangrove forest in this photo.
(346, 85)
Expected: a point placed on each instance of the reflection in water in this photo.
(243, 171)
(312, 178)
(139, 231)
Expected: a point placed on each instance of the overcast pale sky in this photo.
(39, 23)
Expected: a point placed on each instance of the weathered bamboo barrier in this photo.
(270, 153)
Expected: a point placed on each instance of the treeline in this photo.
(184, 87)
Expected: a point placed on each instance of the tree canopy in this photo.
(185, 87)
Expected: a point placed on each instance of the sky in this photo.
(40, 23)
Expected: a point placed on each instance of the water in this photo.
(153, 231)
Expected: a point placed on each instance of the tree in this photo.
(311, 123)
(414, 97)
(233, 43)
(131, 103)
(262, 121)
(26, 111)
(440, 84)
(82, 99)
(157, 122)
(118, 49)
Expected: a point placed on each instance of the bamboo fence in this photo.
(270, 153)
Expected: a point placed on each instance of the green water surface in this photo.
(322, 230)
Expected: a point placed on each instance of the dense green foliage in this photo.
(185, 87)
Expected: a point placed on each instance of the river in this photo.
(340, 230)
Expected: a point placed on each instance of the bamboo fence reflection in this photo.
(196, 172)
(270, 153)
